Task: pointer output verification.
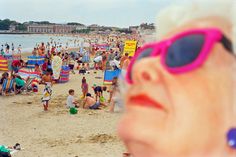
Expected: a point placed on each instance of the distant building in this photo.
(94, 27)
(80, 27)
(145, 26)
(58, 29)
(133, 28)
(12, 28)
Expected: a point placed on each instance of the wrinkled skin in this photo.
(197, 106)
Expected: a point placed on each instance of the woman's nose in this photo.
(146, 70)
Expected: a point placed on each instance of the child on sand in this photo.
(98, 90)
(70, 102)
(47, 92)
(84, 87)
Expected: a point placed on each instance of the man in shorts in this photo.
(91, 103)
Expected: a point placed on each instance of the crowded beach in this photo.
(54, 82)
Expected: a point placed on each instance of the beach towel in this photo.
(8, 85)
(47, 92)
(56, 67)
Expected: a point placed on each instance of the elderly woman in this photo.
(180, 96)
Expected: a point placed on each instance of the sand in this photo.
(56, 133)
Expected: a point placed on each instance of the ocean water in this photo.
(28, 42)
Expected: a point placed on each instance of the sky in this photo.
(120, 13)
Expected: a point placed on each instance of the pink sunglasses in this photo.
(184, 52)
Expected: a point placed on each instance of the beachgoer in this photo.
(82, 69)
(16, 65)
(126, 63)
(91, 103)
(72, 64)
(122, 60)
(37, 69)
(98, 91)
(47, 92)
(84, 87)
(19, 83)
(180, 97)
(113, 88)
(45, 65)
(71, 102)
(35, 52)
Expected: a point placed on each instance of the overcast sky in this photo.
(120, 13)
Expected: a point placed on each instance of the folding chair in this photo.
(7, 86)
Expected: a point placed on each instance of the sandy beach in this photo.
(56, 133)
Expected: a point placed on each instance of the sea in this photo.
(29, 41)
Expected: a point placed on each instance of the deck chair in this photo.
(7, 86)
(27, 86)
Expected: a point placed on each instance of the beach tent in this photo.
(3, 64)
(65, 74)
(109, 75)
(32, 60)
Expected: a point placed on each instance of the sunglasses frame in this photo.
(212, 35)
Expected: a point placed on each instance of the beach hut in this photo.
(65, 74)
(3, 64)
(32, 60)
(109, 75)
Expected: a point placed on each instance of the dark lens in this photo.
(185, 50)
(144, 54)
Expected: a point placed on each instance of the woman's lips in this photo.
(144, 101)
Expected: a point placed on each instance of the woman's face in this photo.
(193, 110)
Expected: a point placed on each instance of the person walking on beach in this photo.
(47, 92)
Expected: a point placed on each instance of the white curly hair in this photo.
(187, 10)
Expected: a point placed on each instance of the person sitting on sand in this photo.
(91, 103)
(98, 91)
(47, 92)
(71, 102)
(19, 83)
(5, 151)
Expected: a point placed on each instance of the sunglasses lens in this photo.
(143, 54)
(185, 50)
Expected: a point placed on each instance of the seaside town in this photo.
(113, 78)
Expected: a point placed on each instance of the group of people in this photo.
(10, 49)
